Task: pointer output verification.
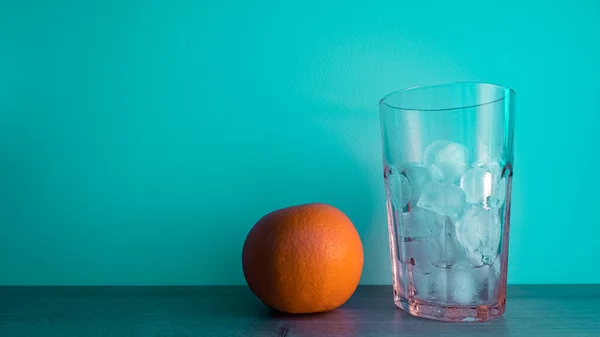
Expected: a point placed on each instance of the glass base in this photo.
(451, 313)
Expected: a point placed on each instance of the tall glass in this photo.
(448, 158)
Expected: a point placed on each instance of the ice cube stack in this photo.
(451, 209)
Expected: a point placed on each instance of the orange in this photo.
(303, 259)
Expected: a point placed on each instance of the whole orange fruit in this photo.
(303, 259)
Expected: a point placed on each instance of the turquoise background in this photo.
(141, 140)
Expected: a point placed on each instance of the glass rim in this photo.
(383, 101)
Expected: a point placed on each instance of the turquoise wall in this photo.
(140, 141)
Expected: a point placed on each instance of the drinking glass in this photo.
(448, 166)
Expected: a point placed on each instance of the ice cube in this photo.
(477, 184)
(421, 223)
(483, 185)
(420, 283)
(494, 278)
(452, 161)
(418, 176)
(430, 159)
(430, 156)
(436, 173)
(462, 286)
(400, 188)
(443, 199)
(438, 283)
(418, 253)
(496, 199)
(446, 160)
(495, 168)
(467, 285)
(452, 251)
(479, 232)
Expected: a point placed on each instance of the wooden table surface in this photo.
(532, 310)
